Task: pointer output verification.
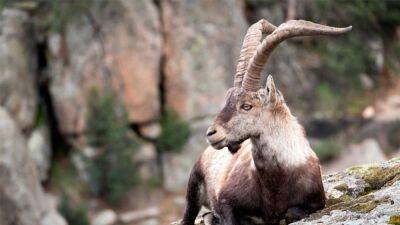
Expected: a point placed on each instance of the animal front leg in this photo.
(210, 219)
(226, 214)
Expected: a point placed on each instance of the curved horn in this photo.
(292, 28)
(250, 43)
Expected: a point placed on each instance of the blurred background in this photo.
(104, 103)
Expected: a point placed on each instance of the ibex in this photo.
(265, 166)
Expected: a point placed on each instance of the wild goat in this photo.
(270, 170)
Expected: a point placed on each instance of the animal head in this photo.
(248, 107)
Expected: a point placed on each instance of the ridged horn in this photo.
(251, 41)
(292, 28)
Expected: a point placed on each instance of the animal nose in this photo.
(211, 131)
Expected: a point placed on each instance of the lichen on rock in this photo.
(367, 194)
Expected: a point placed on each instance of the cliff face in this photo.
(366, 194)
(22, 199)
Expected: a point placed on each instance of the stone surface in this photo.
(40, 150)
(367, 151)
(105, 217)
(17, 67)
(195, 32)
(105, 55)
(368, 194)
(151, 131)
(146, 161)
(22, 200)
(139, 215)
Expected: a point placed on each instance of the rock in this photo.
(146, 160)
(368, 194)
(178, 165)
(17, 67)
(101, 54)
(368, 151)
(195, 32)
(22, 200)
(150, 222)
(146, 152)
(136, 216)
(40, 151)
(361, 194)
(53, 219)
(388, 108)
(151, 131)
(105, 217)
(386, 133)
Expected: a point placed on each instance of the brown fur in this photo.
(257, 179)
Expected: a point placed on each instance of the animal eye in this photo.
(246, 107)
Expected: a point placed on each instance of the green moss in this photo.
(342, 187)
(364, 207)
(394, 219)
(175, 132)
(333, 201)
(394, 160)
(362, 204)
(375, 176)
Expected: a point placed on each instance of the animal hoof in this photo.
(210, 219)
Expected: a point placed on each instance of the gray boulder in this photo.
(40, 150)
(17, 67)
(22, 200)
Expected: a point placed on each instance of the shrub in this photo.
(175, 132)
(63, 178)
(112, 171)
(326, 150)
(75, 214)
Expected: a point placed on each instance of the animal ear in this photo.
(271, 89)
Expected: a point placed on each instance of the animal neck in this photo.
(282, 144)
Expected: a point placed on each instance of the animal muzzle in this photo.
(216, 136)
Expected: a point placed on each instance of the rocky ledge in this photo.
(368, 194)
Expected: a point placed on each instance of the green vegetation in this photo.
(174, 134)
(351, 55)
(75, 214)
(348, 56)
(364, 13)
(40, 116)
(112, 172)
(394, 219)
(376, 176)
(51, 15)
(329, 101)
(326, 149)
(63, 179)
